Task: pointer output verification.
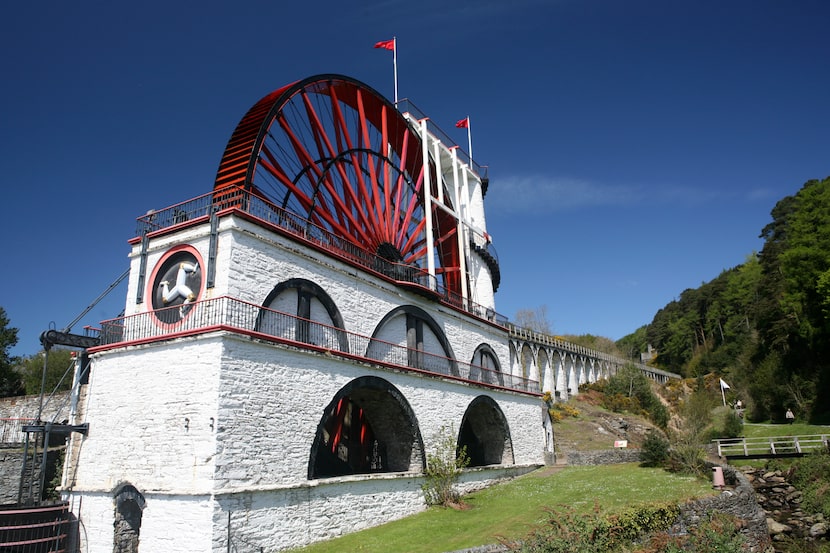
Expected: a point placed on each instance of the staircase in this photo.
(34, 456)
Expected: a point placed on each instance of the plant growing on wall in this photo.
(444, 463)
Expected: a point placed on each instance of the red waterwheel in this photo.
(335, 152)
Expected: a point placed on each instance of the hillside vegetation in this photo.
(763, 326)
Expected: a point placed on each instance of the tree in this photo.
(634, 344)
(9, 380)
(793, 325)
(596, 343)
(58, 371)
(534, 319)
(766, 323)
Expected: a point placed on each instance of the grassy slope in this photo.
(796, 429)
(510, 509)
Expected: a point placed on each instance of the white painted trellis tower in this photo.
(294, 340)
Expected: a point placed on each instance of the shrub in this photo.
(619, 403)
(568, 532)
(719, 534)
(733, 426)
(444, 464)
(688, 457)
(655, 450)
(558, 411)
(809, 474)
(555, 415)
(629, 390)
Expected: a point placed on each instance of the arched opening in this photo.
(301, 310)
(486, 434)
(485, 366)
(129, 506)
(426, 344)
(561, 384)
(528, 362)
(546, 377)
(368, 427)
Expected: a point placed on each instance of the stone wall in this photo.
(602, 457)
(738, 500)
(11, 463)
(11, 452)
(26, 407)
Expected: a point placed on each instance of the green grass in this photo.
(755, 430)
(511, 509)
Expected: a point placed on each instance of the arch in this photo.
(592, 375)
(571, 382)
(485, 433)
(514, 358)
(546, 376)
(527, 362)
(420, 334)
(484, 357)
(602, 369)
(368, 427)
(561, 383)
(315, 318)
(581, 372)
(129, 507)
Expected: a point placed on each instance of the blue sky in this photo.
(635, 148)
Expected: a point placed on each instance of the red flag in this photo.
(386, 44)
(463, 123)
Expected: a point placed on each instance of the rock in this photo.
(819, 529)
(776, 528)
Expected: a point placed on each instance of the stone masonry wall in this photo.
(26, 407)
(152, 428)
(602, 457)
(11, 463)
(738, 500)
(11, 453)
(217, 429)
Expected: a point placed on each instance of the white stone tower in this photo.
(295, 339)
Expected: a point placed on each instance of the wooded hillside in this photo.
(763, 326)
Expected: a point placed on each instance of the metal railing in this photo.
(775, 446)
(11, 431)
(306, 231)
(405, 105)
(559, 343)
(42, 529)
(225, 313)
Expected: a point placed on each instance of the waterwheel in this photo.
(333, 151)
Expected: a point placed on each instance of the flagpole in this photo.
(469, 141)
(723, 386)
(395, 65)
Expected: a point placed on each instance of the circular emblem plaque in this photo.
(177, 284)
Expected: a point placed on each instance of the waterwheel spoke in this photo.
(337, 154)
(342, 128)
(373, 179)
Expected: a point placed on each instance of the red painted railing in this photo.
(42, 529)
(200, 208)
(230, 314)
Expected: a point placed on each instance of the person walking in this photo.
(790, 417)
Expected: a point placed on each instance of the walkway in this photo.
(770, 447)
